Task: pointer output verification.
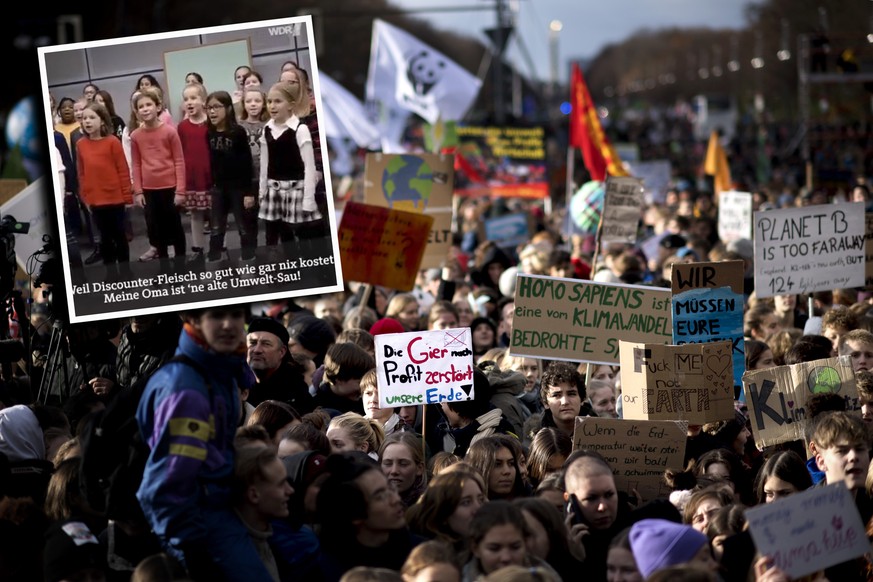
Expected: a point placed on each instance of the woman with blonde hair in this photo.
(402, 459)
(404, 308)
(353, 432)
(448, 505)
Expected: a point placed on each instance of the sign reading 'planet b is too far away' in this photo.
(814, 248)
(424, 367)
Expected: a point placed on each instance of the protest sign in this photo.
(382, 246)
(415, 183)
(582, 321)
(868, 249)
(424, 367)
(502, 161)
(656, 175)
(181, 268)
(777, 397)
(814, 248)
(509, 230)
(809, 531)
(708, 306)
(734, 216)
(622, 210)
(693, 382)
(639, 451)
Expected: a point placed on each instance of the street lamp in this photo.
(555, 28)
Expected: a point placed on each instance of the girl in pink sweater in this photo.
(159, 176)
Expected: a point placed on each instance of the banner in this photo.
(622, 210)
(408, 74)
(693, 382)
(509, 230)
(419, 183)
(424, 367)
(345, 116)
(777, 397)
(582, 321)
(502, 161)
(814, 248)
(708, 306)
(639, 451)
(382, 246)
(734, 216)
(809, 531)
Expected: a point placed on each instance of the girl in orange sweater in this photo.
(104, 182)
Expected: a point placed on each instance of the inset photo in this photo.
(188, 169)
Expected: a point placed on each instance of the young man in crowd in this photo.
(835, 323)
(344, 366)
(857, 344)
(562, 391)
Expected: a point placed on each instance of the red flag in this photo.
(587, 134)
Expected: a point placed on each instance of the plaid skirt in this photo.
(284, 201)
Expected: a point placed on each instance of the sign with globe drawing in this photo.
(420, 183)
(777, 397)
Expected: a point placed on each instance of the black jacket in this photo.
(140, 354)
(284, 384)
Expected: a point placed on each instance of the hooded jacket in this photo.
(508, 386)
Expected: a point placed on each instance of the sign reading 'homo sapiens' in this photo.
(814, 248)
(424, 367)
(581, 321)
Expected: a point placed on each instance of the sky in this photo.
(587, 25)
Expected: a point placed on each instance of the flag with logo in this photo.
(406, 75)
(345, 116)
(586, 133)
(716, 164)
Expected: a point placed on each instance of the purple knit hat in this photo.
(658, 544)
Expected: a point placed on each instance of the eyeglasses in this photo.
(214, 107)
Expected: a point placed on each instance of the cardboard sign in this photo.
(509, 230)
(582, 321)
(814, 248)
(502, 161)
(382, 246)
(622, 209)
(868, 249)
(424, 367)
(9, 187)
(693, 382)
(777, 396)
(639, 451)
(708, 306)
(809, 531)
(415, 183)
(734, 216)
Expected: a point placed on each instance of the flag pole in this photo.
(589, 369)
(571, 163)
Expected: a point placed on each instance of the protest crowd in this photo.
(253, 442)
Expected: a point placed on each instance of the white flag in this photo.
(409, 75)
(345, 116)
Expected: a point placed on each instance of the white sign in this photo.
(734, 216)
(424, 367)
(815, 248)
(622, 208)
(809, 531)
(656, 176)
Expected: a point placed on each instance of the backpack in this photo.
(114, 454)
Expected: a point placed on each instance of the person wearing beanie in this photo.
(387, 325)
(657, 544)
(311, 336)
(484, 333)
(72, 552)
(269, 358)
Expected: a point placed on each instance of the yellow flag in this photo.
(716, 165)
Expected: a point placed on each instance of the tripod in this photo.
(57, 350)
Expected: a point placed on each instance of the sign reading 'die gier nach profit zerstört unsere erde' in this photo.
(424, 367)
(583, 321)
(814, 248)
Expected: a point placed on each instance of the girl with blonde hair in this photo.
(353, 432)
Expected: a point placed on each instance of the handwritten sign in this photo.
(815, 248)
(382, 246)
(424, 367)
(868, 249)
(582, 321)
(415, 183)
(622, 208)
(708, 306)
(777, 397)
(734, 216)
(639, 451)
(693, 382)
(809, 531)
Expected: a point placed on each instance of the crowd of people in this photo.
(246, 442)
(254, 154)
